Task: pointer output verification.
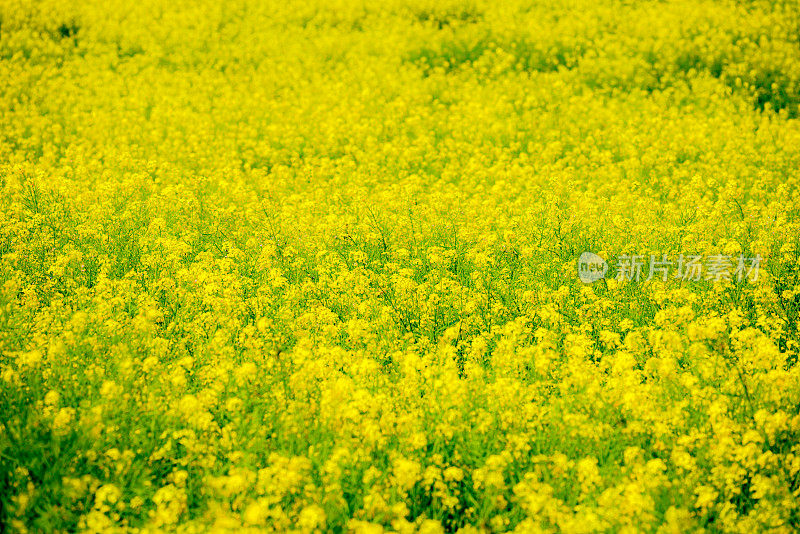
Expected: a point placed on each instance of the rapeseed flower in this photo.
(312, 267)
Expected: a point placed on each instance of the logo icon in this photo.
(591, 267)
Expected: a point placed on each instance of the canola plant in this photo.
(317, 266)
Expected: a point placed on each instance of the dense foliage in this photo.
(312, 266)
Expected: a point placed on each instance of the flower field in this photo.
(318, 266)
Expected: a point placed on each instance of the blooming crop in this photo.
(313, 266)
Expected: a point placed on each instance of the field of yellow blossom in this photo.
(280, 266)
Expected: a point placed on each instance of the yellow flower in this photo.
(63, 419)
(406, 473)
(30, 358)
(311, 517)
(52, 398)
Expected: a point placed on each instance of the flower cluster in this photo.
(311, 266)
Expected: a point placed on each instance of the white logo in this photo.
(591, 267)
